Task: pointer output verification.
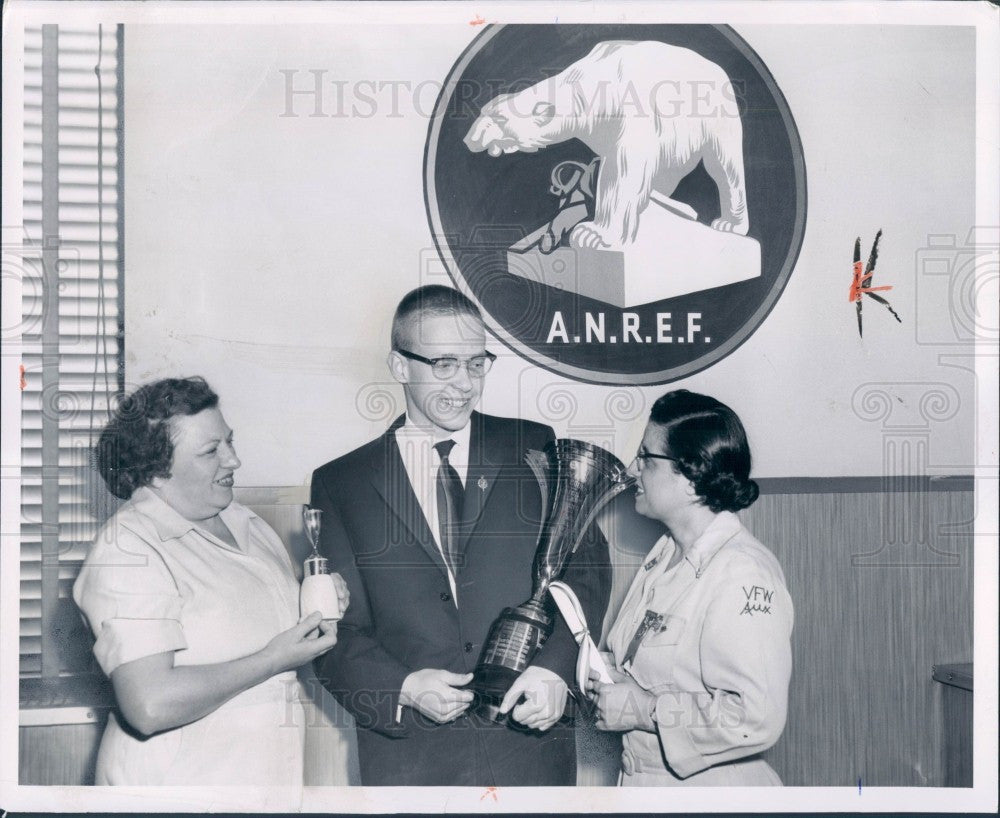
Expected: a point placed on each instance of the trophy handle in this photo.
(539, 576)
(538, 462)
(617, 489)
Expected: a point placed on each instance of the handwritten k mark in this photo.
(861, 283)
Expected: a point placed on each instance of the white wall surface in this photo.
(267, 253)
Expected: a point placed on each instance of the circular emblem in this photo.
(625, 203)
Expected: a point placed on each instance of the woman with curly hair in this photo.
(701, 647)
(194, 605)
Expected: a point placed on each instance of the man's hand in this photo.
(544, 698)
(622, 705)
(435, 693)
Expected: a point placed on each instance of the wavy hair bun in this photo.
(726, 492)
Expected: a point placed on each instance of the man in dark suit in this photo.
(434, 526)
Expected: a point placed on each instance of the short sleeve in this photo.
(129, 598)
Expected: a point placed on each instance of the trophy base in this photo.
(490, 710)
(491, 682)
(513, 641)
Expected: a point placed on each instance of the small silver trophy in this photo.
(318, 592)
(577, 479)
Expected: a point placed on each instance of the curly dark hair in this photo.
(135, 446)
(710, 446)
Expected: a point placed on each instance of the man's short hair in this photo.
(431, 299)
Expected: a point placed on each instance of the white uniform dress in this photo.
(716, 651)
(155, 582)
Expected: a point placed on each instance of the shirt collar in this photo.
(410, 431)
(721, 530)
(170, 525)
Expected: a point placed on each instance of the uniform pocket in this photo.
(667, 632)
(655, 659)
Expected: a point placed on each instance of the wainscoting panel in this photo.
(61, 754)
(877, 605)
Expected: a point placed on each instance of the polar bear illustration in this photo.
(650, 111)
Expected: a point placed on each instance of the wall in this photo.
(267, 251)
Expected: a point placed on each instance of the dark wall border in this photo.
(864, 485)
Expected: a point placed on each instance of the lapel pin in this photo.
(483, 485)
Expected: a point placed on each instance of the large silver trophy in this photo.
(577, 479)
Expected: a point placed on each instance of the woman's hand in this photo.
(301, 643)
(622, 705)
(609, 663)
(343, 595)
(327, 627)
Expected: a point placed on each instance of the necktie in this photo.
(449, 504)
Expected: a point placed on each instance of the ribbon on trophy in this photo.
(589, 658)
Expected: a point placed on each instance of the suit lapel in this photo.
(390, 480)
(485, 460)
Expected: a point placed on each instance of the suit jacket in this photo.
(402, 617)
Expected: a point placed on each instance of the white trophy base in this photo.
(672, 255)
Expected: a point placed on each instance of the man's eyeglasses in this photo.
(642, 456)
(447, 367)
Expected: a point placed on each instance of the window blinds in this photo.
(73, 323)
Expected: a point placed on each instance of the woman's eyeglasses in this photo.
(642, 456)
(447, 367)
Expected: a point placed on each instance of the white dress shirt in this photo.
(421, 460)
